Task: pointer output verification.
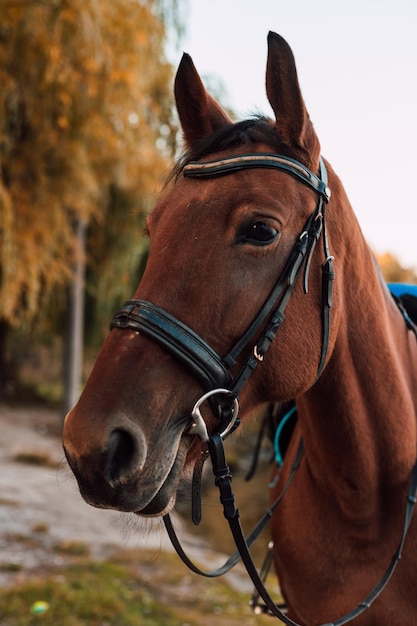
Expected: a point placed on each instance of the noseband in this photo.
(213, 370)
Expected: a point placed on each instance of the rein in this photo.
(223, 481)
(222, 389)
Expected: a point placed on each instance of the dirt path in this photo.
(43, 519)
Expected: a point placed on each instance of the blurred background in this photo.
(88, 134)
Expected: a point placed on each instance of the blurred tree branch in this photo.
(86, 133)
(86, 92)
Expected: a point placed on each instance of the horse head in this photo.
(218, 244)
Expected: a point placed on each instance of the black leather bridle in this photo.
(215, 372)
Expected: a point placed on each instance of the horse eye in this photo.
(259, 234)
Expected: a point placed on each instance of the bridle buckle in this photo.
(198, 425)
(258, 356)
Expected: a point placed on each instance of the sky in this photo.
(357, 66)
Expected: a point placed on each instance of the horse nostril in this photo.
(121, 453)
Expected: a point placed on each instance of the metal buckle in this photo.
(198, 425)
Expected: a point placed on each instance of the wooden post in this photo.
(74, 340)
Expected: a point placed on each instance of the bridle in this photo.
(213, 370)
(222, 389)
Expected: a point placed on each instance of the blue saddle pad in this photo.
(407, 295)
(401, 289)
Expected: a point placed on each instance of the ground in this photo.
(45, 526)
(41, 509)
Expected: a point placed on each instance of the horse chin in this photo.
(158, 506)
(164, 501)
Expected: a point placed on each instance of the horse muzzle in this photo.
(123, 471)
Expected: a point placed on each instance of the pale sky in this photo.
(357, 65)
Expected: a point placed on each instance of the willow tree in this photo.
(85, 128)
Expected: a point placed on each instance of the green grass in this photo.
(89, 594)
(135, 589)
(51, 393)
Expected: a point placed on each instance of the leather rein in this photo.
(222, 389)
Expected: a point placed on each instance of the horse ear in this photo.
(284, 94)
(199, 113)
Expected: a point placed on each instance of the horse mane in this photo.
(254, 130)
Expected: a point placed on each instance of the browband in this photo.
(199, 169)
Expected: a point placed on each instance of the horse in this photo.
(260, 288)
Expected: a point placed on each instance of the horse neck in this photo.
(359, 419)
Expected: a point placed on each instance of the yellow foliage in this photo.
(85, 90)
(393, 271)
